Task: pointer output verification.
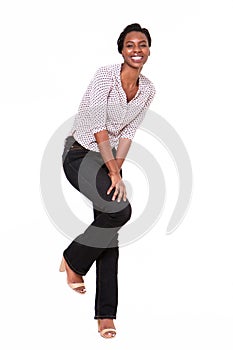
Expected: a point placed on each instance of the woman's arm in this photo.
(104, 146)
(122, 151)
(105, 149)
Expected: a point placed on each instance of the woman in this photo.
(110, 112)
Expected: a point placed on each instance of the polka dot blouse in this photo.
(104, 106)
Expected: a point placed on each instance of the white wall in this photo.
(175, 291)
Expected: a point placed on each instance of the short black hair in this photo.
(135, 27)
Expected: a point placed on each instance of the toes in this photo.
(109, 335)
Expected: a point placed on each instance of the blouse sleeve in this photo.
(130, 129)
(99, 91)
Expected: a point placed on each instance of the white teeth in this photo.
(137, 58)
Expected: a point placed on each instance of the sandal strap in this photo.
(107, 330)
(76, 285)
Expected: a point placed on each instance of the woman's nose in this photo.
(137, 49)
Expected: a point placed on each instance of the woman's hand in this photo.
(118, 184)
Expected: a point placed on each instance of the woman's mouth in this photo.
(137, 58)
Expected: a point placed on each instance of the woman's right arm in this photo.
(104, 146)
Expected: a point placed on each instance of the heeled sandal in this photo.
(104, 332)
(74, 285)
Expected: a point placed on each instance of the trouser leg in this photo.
(92, 180)
(106, 299)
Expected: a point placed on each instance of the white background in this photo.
(175, 291)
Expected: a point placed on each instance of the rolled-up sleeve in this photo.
(130, 129)
(99, 91)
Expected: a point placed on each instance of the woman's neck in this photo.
(129, 75)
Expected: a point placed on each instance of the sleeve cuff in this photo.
(98, 129)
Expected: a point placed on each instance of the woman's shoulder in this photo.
(104, 75)
(146, 81)
(147, 84)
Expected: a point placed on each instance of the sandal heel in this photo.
(62, 265)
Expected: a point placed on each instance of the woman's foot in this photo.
(106, 328)
(73, 278)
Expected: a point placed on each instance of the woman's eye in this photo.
(129, 45)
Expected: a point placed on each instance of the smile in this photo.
(137, 58)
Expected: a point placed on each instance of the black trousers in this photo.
(86, 171)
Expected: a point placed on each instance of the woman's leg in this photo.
(91, 178)
(106, 279)
(100, 240)
(106, 300)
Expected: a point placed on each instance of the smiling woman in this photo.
(112, 108)
(134, 45)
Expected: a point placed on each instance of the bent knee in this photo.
(122, 216)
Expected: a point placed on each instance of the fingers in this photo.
(110, 189)
(119, 193)
(125, 196)
(119, 186)
(115, 194)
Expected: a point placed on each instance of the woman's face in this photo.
(135, 49)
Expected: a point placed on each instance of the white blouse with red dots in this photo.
(104, 106)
